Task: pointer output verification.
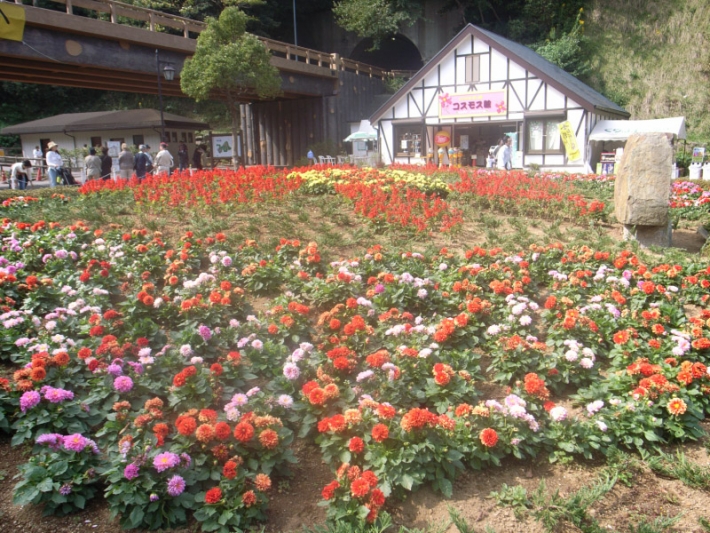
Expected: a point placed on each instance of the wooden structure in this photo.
(476, 89)
(281, 132)
(76, 51)
(322, 92)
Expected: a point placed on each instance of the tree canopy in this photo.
(230, 64)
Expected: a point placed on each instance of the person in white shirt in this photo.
(163, 160)
(38, 157)
(505, 155)
(54, 163)
(19, 174)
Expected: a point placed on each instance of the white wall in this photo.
(81, 139)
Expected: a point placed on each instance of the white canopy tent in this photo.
(621, 130)
(365, 132)
(608, 135)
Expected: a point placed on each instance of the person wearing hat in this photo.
(142, 163)
(126, 160)
(54, 162)
(19, 174)
(163, 160)
(92, 164)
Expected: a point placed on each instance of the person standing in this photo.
(106, 164)
(183, 157)
(505, 155)
(197, 158)
(493, 153)
(142, 163)
(311, 157)
(92, 165)
(54, 163)
(163, 160)
(19, 174)
(126, 160)
(38, 157)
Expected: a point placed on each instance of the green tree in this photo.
(376, 18)
(231, 65)
(566, 51)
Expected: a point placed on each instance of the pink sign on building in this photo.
(478, 104)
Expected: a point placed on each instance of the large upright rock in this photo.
(643, 187)
(643, 181)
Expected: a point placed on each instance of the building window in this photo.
(95, 142)
(473, 69)
(543, 136)
(189, 136)
(174, 136)
(408, 139)
(138, 140)
(183, 137)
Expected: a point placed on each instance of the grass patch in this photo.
(681, 468)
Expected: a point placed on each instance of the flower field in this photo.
(173, 373)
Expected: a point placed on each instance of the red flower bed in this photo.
(252, 185)
(518, 192)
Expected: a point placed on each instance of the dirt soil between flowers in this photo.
(644, 497)
(294, 502)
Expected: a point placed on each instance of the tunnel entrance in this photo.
(395, 53)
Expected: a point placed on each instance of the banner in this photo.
(12, 22)
(477, 104)
(569, 139)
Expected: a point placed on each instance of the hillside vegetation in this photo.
(653, 58)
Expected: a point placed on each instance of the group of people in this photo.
(142, 163)
(99, 166)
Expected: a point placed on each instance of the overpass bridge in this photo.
(114, 54)
(322, 93)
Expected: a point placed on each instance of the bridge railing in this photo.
(152, 19)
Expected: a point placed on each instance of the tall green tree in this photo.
(231, 65)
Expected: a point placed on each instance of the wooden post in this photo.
(152, 22)
(69, 7)
(112, 7)
(281, 139)
(185, 32)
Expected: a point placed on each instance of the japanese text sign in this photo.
(569, 139)
(477, 104)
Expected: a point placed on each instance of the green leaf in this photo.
(345, 456)
(79, 501)
(650, 436)
(46, 485)
(407, 481)
(446, 487)
(567, 446)
(225, 517)
(136, 517)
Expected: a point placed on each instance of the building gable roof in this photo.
(104, 120)
(527, 58)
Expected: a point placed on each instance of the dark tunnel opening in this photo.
(394, 53)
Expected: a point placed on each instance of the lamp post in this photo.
(295, 31)
(169, 73)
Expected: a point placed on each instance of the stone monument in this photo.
(643, 187)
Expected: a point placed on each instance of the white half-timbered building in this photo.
(477, 89)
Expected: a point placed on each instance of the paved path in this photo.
(41, 184)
